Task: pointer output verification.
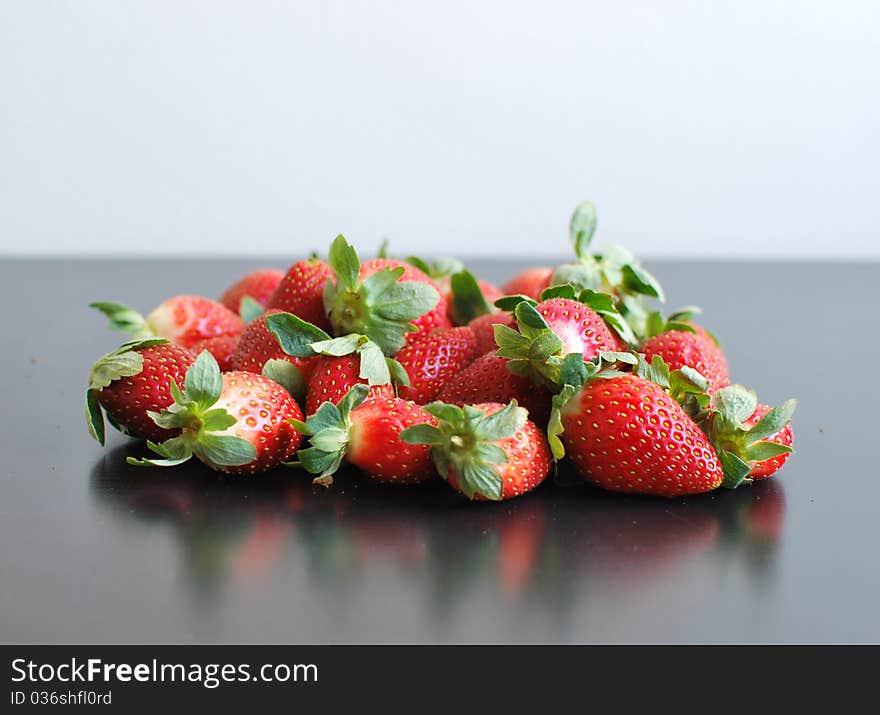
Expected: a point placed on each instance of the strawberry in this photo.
(785, 437)
(130, 382)
(388, 301)
(654, 431)
(366, 433)
(191, 321)
(236, 422)
(488, 379)
(554, 328)
(754, 440)
(487, 451)
(430, 361)
(614, 271)
(258, 345)
(531, 282)
(301, 292)
(626, 434)
(484, 329)
(257, 286)
(682, 343)
(335, 364)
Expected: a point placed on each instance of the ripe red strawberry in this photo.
(488, 379)
(680, 342)
(431, 361)
(366, 433)
(679, 348)
(301, 292)
(531, 282)
(484, 329)
(237, 422)
(487, 451)
(654, 431)
(131, 381)
(258, 286)
(258, 345)
(785, 437)
(388, 301)
(191, 321)
(626, 434)
(556, 327)
(332, 377)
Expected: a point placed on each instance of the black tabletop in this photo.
(92, 550)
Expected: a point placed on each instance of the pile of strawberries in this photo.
(405, 369)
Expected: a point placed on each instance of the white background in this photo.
(700, 129)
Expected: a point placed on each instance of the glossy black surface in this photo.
(92, 550)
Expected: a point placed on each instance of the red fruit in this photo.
(132, 381)
(484, 329)
(435, 319)
(301, 292)
(530, 282)
(257, 346)
(627, 434)
(190, 319)
(487, 379)
(238, 422)
(785, 436)
(332, 377)
(580, 328)
(222, 348)
(259, 285)
(435, 358)
(366, 433)
(486, 451)
(679, 348)
(263, 410)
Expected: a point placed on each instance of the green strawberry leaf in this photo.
(295, 335)
(330, 439)
(344, 262)
(217, 420)
(736, 471)
(528, 317)
(174, 451)
(224, 450)
(94, 416)
(421, 434)
(482, 479)
(204, 383)
(336, 347)
(501, 425)
(759, 451)
(638, 280)
(561, 290)
(287, 375)
(374, 366)
(399, 375)
(736, 404)
(249, 309)
(772, 422)
(508, 303)
(121, 317)
(468, 301)
(582, 227)
(407, 301)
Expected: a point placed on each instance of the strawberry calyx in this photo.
(202, 425)
(329, 433)
(125, 361)
(378, 306)
(462, 444)
(286, 374)
(300, 338)
(468, 301)
(439, 268)
(740, 447)
(680, 320)
(249, 309)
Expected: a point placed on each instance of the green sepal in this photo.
(582, 226)
(224, 450)
(468, 301)
(508, 303)
(204, 383)
(344, 261)
(439, 268)
(249, 309)
(554, 425)
(637, 280)
(760, 451)
(399, 375)
(374, 367)
(121, 317)
(295, 335)
(736, 471)
(173, 451)
(287, 375)
(603, 304)
(95, 416)
(774, 421)
(125, 361)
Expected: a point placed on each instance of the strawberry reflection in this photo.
(550, 549)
